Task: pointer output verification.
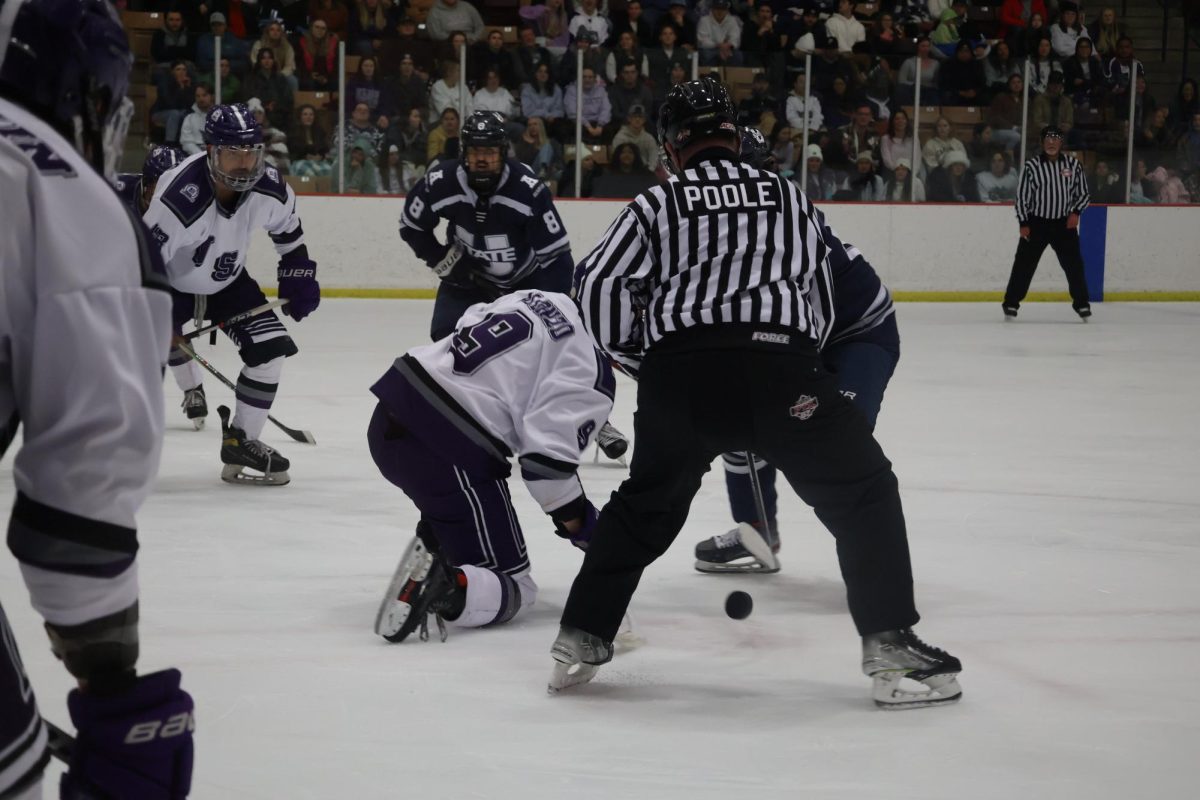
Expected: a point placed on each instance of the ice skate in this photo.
(891, 657)
(195, 406)
(1084, 312)
(423, 584)
(577, 655)
(1010, 312)
(239, 454)
(743, 549)
(612, 443)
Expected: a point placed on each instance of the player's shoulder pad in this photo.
(522, 184)
(189, 193)
(443, 181)
(272, 184)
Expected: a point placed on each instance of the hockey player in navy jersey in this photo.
(862, 351)
(84, 332)
(202, 214)
(520, 376)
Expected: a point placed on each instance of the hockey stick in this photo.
(754, 542)
(61, 743)
(236, 318)
(299, 436)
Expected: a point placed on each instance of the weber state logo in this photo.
(805, 407)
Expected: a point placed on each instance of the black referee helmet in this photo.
(695, 110)
(483, 129)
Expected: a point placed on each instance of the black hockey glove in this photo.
(578, 509)
(459, 268)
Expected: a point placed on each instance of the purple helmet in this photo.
(159, 160)
(236, 159)
(68, 62)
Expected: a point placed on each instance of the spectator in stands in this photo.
(1185, 105)
(552, 22)
(800, 113)
(408, 87)
(172, 42)
(317, 63)
(942, 141)
(839, 105)
(174, 102)
(850, 141)
(1144, 105)
(634, 132)
(626, 176)
(952, 182)
(359, 171)
(962, 79)
(783, 147)
(903, 186)
(1026, 43)
(919, 15)
(366, 86)
(845, 28)
(636, 23)
(531, 55)
(981, 148)
(359, 127)
(309, 144)
(419, 10)
(1166, 186)
(406, 43)
(594, 56)
(897, 143)
(411, 135)
(1054, 108)
(1105, 185)
(678, 75)
(443, 140)
(492, 96)
(191, 133)
(627, 51)
(539, 152)
(1016, 16)
(863, 184)
(445, 93)
(372, 23)
(627, 92)
(660, 60)
(588, 15)
(948, 31)
(1154, 139)
(1084, 74)
(543, 98)
(880, 87)
(1041, 64)
(677, 18)
(597, 111)
(999, 183)
(273, 38)
(333, 13)
(1117, 71)
(588, 172)
(999, 66)
(820, 183)
(1187, 152)
(927, 67)
(760, 101)
(271, 133)
(389, 172)
(232, 47)
(1004, 114)
(448, 16)
(231, 85)
(265, 83)
(1066, 32)
(829, 65)
(1105, 32)
(489, 54)
(719, 36)
(292, 13)
(764, 41)
(886, 41)
(1141, 190)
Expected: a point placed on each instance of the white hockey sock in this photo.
(187, 375)
(492, 597)
(256, 387)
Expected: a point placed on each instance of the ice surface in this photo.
(1049, 473)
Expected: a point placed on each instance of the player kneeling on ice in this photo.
(202, 215)
(519, 376)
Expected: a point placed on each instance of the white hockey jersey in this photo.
(203, 245)
(84, 334)
(525, 370)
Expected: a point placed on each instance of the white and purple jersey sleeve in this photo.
(84, 333)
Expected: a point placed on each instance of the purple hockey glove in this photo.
(298, 285)
(578, 509)
(137, 743)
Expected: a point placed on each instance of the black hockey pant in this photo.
(1065, 241)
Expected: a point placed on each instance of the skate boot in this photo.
(892, 656)
(612, 442)
(239, 454)
(1084, 312)
(743, 549)
(577, 655)
(195, 406)
(1010, 312)
(423, 584)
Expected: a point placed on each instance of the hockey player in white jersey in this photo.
(202, 215)
(84, 331)
(519, 376)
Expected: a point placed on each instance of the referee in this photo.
(1053, 192)
(699, 289)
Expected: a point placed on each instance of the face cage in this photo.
(238, 184)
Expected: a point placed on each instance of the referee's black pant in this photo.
(1065, 241)
(711, 390)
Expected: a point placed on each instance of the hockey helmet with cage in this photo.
(756, 152)
(695, 110)
(483, 129)
(232, 129)
(160, 159)
(68, 61)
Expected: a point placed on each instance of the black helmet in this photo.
(693, 110)
(483, 129)
(756, 152)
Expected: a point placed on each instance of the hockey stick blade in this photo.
(236, 318)
(61, 744)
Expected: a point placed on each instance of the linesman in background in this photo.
(1053, 192)
(700, 288)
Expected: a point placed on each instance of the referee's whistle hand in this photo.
(1024, 231)
(1072, 221)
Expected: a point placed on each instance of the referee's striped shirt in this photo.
(722, 243)
(1051, 189)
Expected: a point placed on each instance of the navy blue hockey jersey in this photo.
(510, 234)
(862, 305)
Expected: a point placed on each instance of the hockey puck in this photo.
(738, 605)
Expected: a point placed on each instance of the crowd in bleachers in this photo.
(404, 98)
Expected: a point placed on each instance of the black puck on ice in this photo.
(738, 605)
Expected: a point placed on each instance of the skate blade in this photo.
(235, 473)
(393, 612)
(198, 423)
(942, 690)
(564, 676)
(611, 462)
(737, 568)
